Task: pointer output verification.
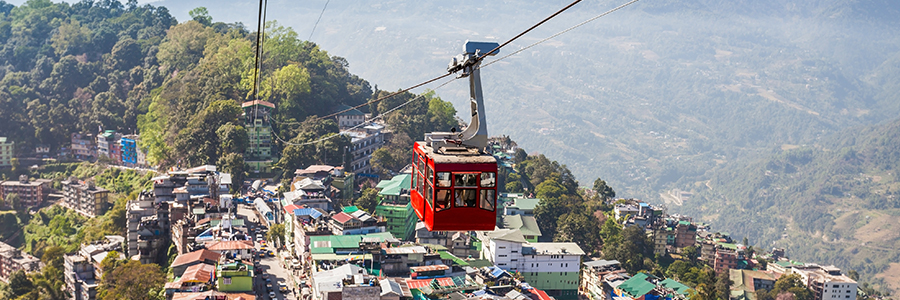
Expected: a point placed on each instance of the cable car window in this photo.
(415, 181)
(428, 195)
(466, 197)
(419, 183)
(442, 201)
(443, 179)
(487, 199)
(421, 164)
(465, 179)
(428, 174)
(488, 179)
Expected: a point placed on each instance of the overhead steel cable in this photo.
(529, 29)
(381, 115)
(559, 33)
(317, 21)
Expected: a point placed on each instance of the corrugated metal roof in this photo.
(342, 217)
(405, 250)
(429, 268)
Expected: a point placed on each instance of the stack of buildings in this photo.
(259, 155)
(13, 260)
(7, 151)
(83, 270)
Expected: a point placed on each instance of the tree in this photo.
(19, 283)
(233, 163)
(233, 139)
(126, 54)
(201, 15)
(579, 227)
(520, 155)
(368, 200)
(132, 280)
(787, 287)
(692, 253)
(723, 285)
(604, 191)
(53, 256)
(199, 142)
(276, 233)
(630, 250)
(184, 45)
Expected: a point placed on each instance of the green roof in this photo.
(234, 222)
(675, 285)
(450, 256)
(684, 223)
(350, 209)
(330, 242)
(479, 263)
(526, 224)
(783, 263)
(637, 286)
(728, 246)
(392, 187)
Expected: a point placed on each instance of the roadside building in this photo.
(128, 146)
(234, 276)
(552, 267)
(202, 256)
(85, 198)
(108, 145)
(243, 248)
(83, 146)
(259, 155)
(83, 270)
(356, 222)
(364, 142)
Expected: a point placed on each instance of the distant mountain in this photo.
(834, 202)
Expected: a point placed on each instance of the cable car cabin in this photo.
(454, 189)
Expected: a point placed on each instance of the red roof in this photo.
(290, 208)
(229, 245)
(258, 102)
(201, 255)
(537, 294)
(429, 268)
(418, 283)
(198, 273)
(342, 217)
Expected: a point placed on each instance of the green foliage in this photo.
(129, 279)
(201, 15)
(276, 234)
(791, 284)
(630, 250)
(604, 191)
(367, 200)
(54, 226)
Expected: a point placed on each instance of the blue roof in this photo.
(497, 272)
(645, 204)
(308, 212)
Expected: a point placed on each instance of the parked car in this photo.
(272, 295)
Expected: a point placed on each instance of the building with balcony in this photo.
(13, 260)
(30, 193)
(826, 282)
(85, 198)
(349, 116)
(259, 155)
(364, 141)
(83, 270)
(83, 146)
(395, 208)
(552, 267)
(598, 277)
(128, 145)
(108, 145)
(355, 221)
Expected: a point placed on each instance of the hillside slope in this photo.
(836, 201)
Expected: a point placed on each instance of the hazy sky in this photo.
(20, 2)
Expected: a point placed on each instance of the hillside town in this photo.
(310, 241)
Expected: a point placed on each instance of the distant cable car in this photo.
(454, 185)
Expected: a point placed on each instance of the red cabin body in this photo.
(454, 189)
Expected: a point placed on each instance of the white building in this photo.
(553, 267)
(827, 283)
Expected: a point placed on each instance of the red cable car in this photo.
(454, 184)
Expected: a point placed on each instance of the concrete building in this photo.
(356, 222)
(12, 260)
(31, 193)
(597, 276)
(147, 225)
(349, 117)
(243, 248)
(395, 208)
(552, 267)
(83, 270)
(108, 145)
(234, 276)
(364, 141)
(826, 282)
(85, 198)
(521, 206)
(345, 282)
(259, 155)
(83, 146)
(7, 151)
(523, 223)
(128, 146)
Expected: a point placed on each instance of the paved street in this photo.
(271, 266)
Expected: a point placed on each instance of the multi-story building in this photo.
(395, 208)
(83, 270)
(7, 148)
(525, 224)
(726, 259)
(521, 206)
(355, 222)
(83, 146)
(128, 144)
(349, 117)
(673, 234)
(147, 225)
(364, 141)
(108, 145)
(12, 260)
(596, 277)
(234, 276)
(259, 153)
(85, 198)
(826, 282)
(646, 286)
(31, 193)
(552, 267)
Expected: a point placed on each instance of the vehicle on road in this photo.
(272, 295)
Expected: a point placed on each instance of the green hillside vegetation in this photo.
(836, 201)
